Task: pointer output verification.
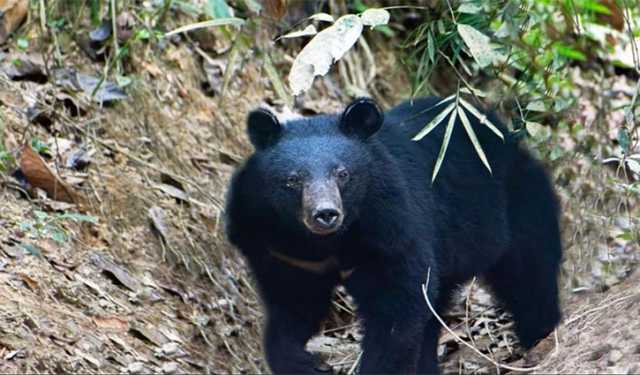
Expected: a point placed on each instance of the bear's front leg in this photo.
(286, 335)
(394, 317)
(391, 304)
(296, 303)
(391, 345)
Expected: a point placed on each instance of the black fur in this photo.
(397, 226)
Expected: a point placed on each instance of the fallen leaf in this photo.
(156, 215)
(43, 117)
(39, 175)
(79, 158)
(89, 358)
(59, 146)
(29, 281)
(152, 69)
(214, 72)
(170, 180)
(111, 324)
(136, 368)
(175, 291)
(116, 272)
(25, 67)
(70, 103)
(12, 13)
(170, 348)
(171, 334)
(106, 92)
(169, 368)
(101, 33)
(275, 8)
(148, 334)
(173, 192)
(14, 354)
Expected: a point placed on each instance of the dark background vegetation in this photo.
(117, 142)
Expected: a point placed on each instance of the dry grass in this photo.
(121, 297)
(62, 311)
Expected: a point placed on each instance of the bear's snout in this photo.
(322, 207)
(327, 217)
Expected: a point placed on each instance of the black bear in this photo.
(348, 198)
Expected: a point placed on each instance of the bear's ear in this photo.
(362, 118)
(263, 128)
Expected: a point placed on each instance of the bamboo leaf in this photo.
(569, 52)
(473, 91)
(448, 98)
(434, 122)
(536, 106)
(79, 217)
(537, 131)
(323, 17)
(445, 144)
(309, 30)
(479, 46)
(482, 117)
(431, 47)
(204, 24)
(276, 81)
(474, 139)
(234, 54)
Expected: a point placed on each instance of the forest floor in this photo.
(152, 285)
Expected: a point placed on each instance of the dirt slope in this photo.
(114, 297)
(153, 286)
(600, 333)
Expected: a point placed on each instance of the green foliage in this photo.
(39, 147)
(45, 225)
(521, 54)
(57, 23)
(5, 159)
(527, 47)
(22, 43)
(217, 9)
(95, 7)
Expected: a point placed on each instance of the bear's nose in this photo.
(327, 217)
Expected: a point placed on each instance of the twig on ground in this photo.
(355, 364)
(596, 309)
(425, 287)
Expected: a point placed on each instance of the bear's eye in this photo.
(293, 181)
(343, 174)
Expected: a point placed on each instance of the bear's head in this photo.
(315, 170)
